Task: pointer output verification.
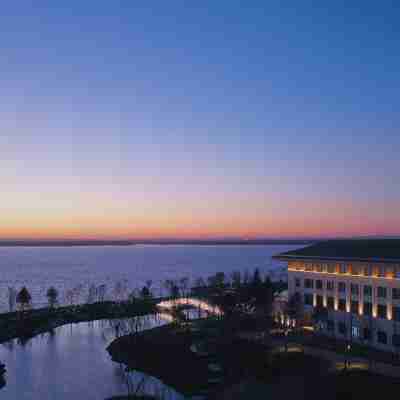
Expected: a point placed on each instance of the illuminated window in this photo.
(342, 305)
(320, 301)
(355, 332)
(354, 307)
(367, 270)
(309, 267)
(342, 268)
(319, 267)
(331, 268)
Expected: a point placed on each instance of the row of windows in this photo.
(382, 292)
(366, 270)
(354, 306)
(364, 334)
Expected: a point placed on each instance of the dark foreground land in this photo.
(227, 367)
(24, 325)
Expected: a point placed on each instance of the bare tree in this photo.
(52, 296)
(24, 299)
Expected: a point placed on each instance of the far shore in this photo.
(82, 243)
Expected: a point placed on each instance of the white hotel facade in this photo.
(357, 282)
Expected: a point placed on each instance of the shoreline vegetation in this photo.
(222, 242)
(26, 324)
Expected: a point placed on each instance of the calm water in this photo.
(72, 364)
(79, 267)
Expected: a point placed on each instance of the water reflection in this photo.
(72, 363)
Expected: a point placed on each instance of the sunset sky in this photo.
(147, 119)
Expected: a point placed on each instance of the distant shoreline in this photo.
(82, 243)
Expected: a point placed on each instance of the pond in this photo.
(72, 363)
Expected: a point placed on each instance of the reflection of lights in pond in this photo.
(169, 304)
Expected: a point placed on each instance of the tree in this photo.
(172, 288)
(52, 296)
(145, 293)
(24, 299)
(184, 286)
(236, 279)
(294, 309)
(256, 278)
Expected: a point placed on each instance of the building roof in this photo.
(365, 250)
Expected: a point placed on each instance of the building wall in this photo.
(354, 317)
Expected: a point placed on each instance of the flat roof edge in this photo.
(283, 257)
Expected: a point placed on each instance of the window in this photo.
(319, 267)
(382, 311)
(355, 270)
(396, 313)
(367, 334)
(331, 268)
(396, 340)
(342, 287)
(381, 271)
(318, 284)
(382, 337)
(342, 268)
(308, 283)
(355, 331)
(382, 292)
(320, 301)
(367, 308)
(309, 267)
(367, 270)
(308, 299)
(342, 328)
(297, 282)
(330, 303)
(330, 325)
(330, 285)
(354, 307)
(396, 293)
(354, 289)
(367, 290)
(342, 305)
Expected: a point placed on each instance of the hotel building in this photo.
(356, 283)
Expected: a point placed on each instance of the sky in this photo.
(210, 119)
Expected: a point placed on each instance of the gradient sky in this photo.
(125, 119)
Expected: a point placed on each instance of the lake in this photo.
(66, 268)
(72, 363)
